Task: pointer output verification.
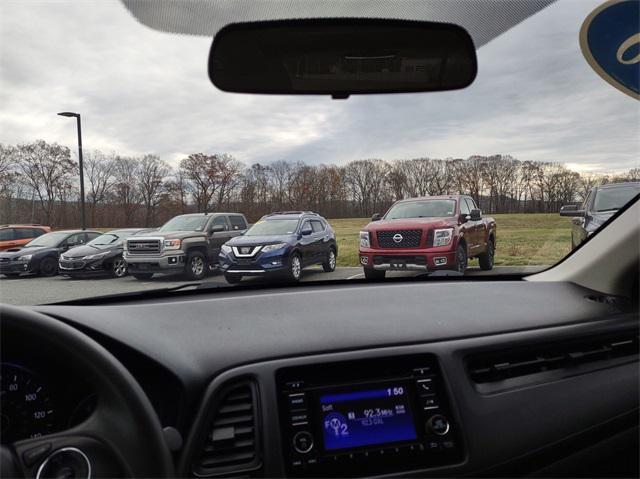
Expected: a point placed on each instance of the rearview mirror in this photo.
(376, 217)
(341, 57)
(476, 215)
(571, 210)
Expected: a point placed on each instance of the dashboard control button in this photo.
(422, 371)
(438, 424)
(299, 418)
(303, 442)
(433, 446)
(297, 401)
(429, 402)
(425, 386)
(33, 455)
(448, 444)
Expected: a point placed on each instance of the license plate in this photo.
(399, 265)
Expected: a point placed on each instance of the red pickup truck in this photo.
(427, 234)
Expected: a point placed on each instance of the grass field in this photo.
(522, 239)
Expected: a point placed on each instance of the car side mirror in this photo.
(464, 217)
(476, 215)
(306, 232)
(571, 210)
(376, 217)
(216, 229)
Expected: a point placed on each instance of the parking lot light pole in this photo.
(77, 117)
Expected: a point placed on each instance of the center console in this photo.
(366, 417)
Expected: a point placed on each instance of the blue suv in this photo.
(280, 243)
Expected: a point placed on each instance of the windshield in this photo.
(185, 223)
(538, 129)
(104, 240)
(273, 227)
(422, 209)
(47, 240)
(611, 199)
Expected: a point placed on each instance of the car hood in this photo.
(15, 252)
(167, 234)
(410, 223)
(86, 250)
(259, 240)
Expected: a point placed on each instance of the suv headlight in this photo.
(226, 249)
(95, 256)
(25, 257)
(365, 239)
(442, 237)
(273, 247)
(172, 244)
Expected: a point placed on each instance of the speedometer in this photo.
(26, 407)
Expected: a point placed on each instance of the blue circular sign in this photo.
(610, 42)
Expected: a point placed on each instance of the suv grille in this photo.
(403, 239)
(140, 246)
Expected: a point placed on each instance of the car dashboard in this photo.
(489, 379)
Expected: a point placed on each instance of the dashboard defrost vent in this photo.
(232, 446)
(495, 367)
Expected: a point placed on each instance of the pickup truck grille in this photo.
(140, 246)
(403, 239)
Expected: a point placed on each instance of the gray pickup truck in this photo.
(187, 244)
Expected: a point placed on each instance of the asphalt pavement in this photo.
(30, 290)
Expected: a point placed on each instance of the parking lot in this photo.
(27, 290)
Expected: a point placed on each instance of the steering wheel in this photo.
(122, 437)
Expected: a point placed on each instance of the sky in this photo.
(144, 91)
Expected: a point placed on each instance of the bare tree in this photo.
(152, 173)
(98, 171)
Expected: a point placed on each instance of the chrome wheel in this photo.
(332, 259)
(296, 268)
(197, 265)
(119, 268)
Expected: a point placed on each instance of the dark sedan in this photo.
(103, 255)
(600, 204)
(40, 255)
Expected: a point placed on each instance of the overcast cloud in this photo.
(142, 91)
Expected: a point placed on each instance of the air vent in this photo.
(232, 445)
(495, 367)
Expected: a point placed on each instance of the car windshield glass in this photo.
(273, 227)
(611, 199)
(48, 240)
(185, 223)
(103, 240)
(422, 209)
(165, 151)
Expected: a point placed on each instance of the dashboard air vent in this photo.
(495, 367)
(232, 445)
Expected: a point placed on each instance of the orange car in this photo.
(14, 236)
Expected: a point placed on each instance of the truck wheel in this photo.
(461, 258)
(196, 266)
(232, 278)
(142, 275)
(294, 272)
(118, 267)
(330, 265)
(48, 267)
(374, 274)
(486, 259)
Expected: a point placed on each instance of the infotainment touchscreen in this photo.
(364, 417)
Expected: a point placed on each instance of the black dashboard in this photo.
(484, 379)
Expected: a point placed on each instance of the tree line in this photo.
(39, 184)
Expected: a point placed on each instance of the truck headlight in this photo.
(25, 257)
(226, 249)
(442, 237)
(365, 239)
(273, 247)
(172, 244)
